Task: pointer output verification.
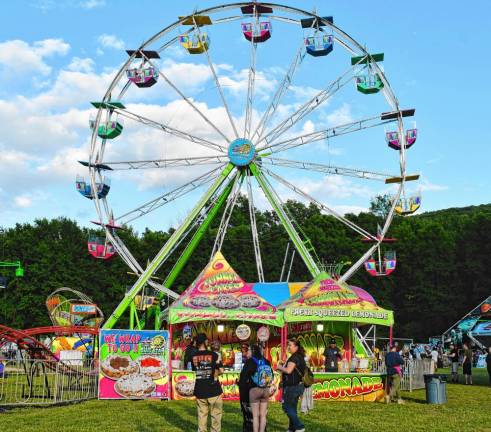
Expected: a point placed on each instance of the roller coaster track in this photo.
(26, 341)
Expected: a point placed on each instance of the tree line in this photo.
(443, 261)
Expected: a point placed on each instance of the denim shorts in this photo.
(258, 394)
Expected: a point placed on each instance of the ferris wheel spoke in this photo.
(331, 132)
(157, 163)
(303, 246)
(328, 169)
(308, 107)
(282, 88)
(227, 19)
(327, 209)
(172, 195)
(173, 40)
(251, 81)
(124, 90)
(218, 85)
(227, 213)
(167, 129)
(255, 236)
(187, 100)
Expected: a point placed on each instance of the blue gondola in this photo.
(318, 46)
(85, 188)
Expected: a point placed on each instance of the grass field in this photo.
(468, 409)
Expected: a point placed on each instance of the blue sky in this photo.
(57, 56)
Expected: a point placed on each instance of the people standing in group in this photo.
(207, 388)
(467, 364)
(393, 363)
(488, 364)
(454, 361)
(292, 382)
(258, 374)
(332, 355)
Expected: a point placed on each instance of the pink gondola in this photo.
(256, 33)
(393, 140)
(100, 248)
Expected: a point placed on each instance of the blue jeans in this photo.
(291, 395)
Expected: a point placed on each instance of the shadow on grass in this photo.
(416, 400)
(171, 417)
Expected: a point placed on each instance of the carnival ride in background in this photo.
(474, 326)
(76, 320)
(240, 155)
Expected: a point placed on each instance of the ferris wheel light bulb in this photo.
(320, 327)
(220, 328)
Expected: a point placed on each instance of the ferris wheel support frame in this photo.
(273, 199)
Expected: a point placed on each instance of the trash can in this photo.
(436, 388)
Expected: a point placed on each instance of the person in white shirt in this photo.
(434, 360)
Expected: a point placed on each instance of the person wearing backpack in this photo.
(258, 371)
(293, 372)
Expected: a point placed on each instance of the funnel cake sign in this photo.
(220, 294)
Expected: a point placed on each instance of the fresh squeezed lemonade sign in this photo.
(133, 364)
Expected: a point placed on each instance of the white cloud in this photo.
(339, 116)
(426, 186)
(81, 64)
(91, 4)
(23, 201)
(30, 58)
(110, 41)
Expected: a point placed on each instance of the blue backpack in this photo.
(263, 377)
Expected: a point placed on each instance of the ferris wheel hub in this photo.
(241, 152)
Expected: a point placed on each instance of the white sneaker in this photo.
(300, 430)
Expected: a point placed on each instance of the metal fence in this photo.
(413, 372)
(46, 382)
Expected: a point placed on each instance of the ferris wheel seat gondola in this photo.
(394, 142)
(99, 248)
(195, 43)
(143, 77)
(383, 268)
(318, 46)
(369, 84)
(109, 129)
(257, 33)
(85, 188)
(407, 206)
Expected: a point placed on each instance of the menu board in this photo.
(133, 364)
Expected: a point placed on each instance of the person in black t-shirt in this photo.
(332, 355)
(292, 381)
(207, 388)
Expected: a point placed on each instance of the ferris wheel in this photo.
(250, 142)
